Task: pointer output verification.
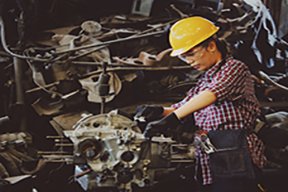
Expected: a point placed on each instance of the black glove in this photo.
(149, 112)
(162, 126)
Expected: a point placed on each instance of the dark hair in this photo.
(221, 45)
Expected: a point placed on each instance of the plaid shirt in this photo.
(236, 107)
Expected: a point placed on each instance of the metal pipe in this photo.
(18, 75)
(6, 49)
(112, 41)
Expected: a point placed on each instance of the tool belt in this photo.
(231, 158)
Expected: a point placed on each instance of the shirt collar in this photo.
(210, 72)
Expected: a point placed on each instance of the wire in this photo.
(5, 47)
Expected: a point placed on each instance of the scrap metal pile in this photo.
(80, 77)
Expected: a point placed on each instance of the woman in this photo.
(223, 99)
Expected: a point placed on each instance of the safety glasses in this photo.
(192, 54)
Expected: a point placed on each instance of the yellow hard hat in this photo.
(189, 32)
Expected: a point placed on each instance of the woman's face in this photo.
(202, 58)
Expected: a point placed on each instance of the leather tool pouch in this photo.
(232, 158)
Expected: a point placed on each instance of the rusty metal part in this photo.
(69, 42)
(64, 122)
(9, 163)
(42, 107)
(182, 15)
(146, 59)
(3, 171)
(91, 28)
(91, 84)
(56, 158)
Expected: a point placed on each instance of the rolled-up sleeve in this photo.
(229, 83)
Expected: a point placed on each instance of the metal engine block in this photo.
(111, 151)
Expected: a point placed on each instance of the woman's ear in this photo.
(212, 47)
